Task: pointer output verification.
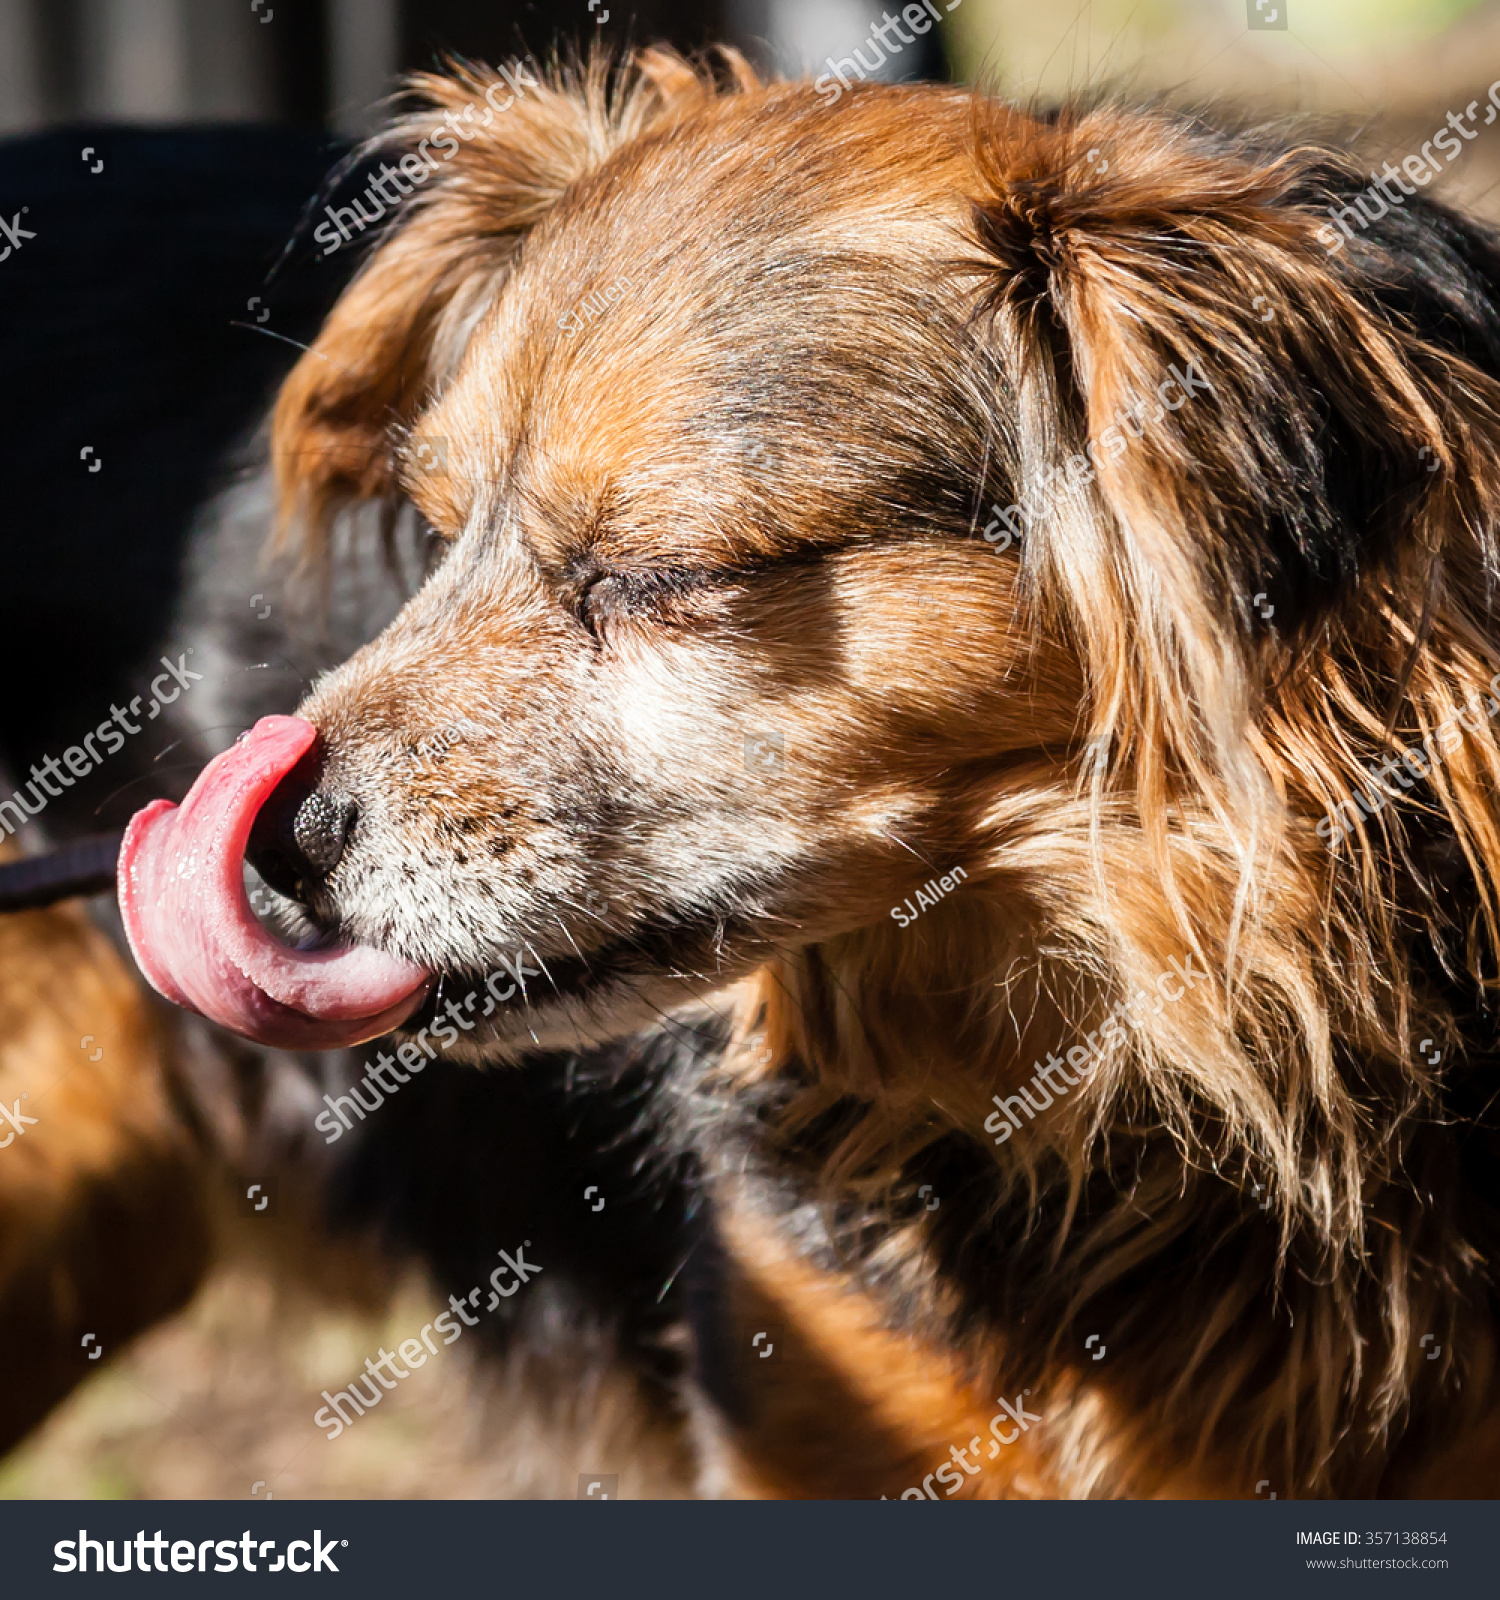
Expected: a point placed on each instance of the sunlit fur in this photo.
(1125, 729)
(103, 1217)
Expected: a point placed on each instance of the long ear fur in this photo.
(1322, 463)
(1296, 462)
(400, 328)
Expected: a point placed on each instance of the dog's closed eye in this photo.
(597, 596)
(590, 602)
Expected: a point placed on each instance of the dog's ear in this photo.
(496, 151)
(1210, 421)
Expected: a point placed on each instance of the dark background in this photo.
(118, 320)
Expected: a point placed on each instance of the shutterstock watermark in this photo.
(1421, 169)
(1011, 1411)
(414, 1352)
(1082, 1058)
(919, 18)
(18, 1120)
(1081, 468)
(414, 1055)
(15, 235)
(346, 223)
(82, 758)
(230, 1555)
(1418, 762)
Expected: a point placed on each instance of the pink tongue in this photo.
(182, 896)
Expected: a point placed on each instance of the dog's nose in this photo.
(320, 825)
(299, 836)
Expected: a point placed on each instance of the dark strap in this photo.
(86, 866)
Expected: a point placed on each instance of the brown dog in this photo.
(839, 496)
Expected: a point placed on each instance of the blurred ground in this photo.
(222, 1398)
(218, 1404)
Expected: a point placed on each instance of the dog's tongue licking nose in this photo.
(182, 895)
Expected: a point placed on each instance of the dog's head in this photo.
(838, 494)
(718, 661)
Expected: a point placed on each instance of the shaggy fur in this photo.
(916, 303)
(748, 498)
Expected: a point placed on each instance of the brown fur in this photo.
(1128, 766)
(102, 1226)
(848, 1409)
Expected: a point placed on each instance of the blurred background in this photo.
(325, 63)
(159, 155)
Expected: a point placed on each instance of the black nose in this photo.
(299, 836)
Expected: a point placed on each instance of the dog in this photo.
(959, 681)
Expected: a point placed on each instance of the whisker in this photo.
(550, 979)
(572, 941)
